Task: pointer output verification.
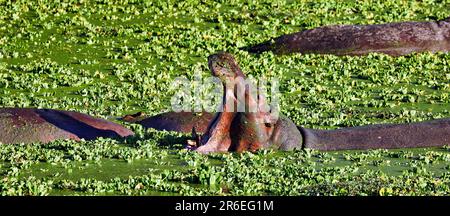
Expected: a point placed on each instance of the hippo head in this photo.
(240, 130)
(223, 65)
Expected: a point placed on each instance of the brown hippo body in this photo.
(394, 39)
(183, 122)
(249, 131)
(385, 136)
(28, 125)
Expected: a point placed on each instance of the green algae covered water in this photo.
(109, 59)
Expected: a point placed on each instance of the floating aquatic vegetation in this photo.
(110, 58)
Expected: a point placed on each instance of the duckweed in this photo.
(111, 58)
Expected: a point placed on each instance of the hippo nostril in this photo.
(268, 124)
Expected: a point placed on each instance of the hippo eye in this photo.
(268, 124)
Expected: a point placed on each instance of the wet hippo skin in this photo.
(383, 136)
(28, 125)
(184, 122)
(394, 39)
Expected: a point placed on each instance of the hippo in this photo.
(30, 125)
(395, 39)
(250, 131)
(170, 121)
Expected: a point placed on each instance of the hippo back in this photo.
(27, 125)
(179, 121)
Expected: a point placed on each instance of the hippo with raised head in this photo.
(28, 125)
(242, 131)
(394, 39)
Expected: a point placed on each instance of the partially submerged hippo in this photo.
(393, 39)
(27, 125)
(241, 131)
(173, 121)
